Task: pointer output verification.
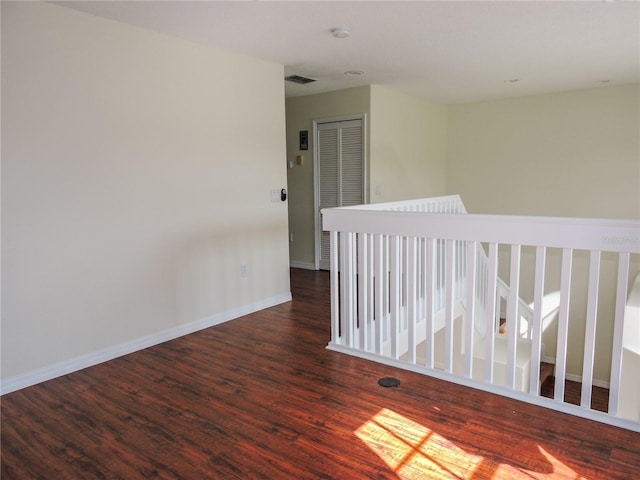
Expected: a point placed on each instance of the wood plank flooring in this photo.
(573, 394)
(261, 398)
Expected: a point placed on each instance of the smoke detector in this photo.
(340, 32)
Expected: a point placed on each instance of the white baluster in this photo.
(411, 305)
(590, 330)
(370, 293)
(536, 335)
(449, 298)
(429, 298)
(395, 265)
(335, 286)
(470, 315)
(386, 282)
(616, 354)
(563, 324)
(380, 293)
(347, 290)
(363, 293)
(513, 323)
(490, 331)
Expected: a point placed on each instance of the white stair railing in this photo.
(420, 290)
(454, 204)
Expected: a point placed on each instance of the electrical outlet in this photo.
(244, 270)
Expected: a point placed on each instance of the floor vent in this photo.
(389, 382)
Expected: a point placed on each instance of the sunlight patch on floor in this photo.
(413, 451)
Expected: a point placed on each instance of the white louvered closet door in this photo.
(341, 171)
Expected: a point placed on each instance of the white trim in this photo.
(304, 265)
(317, 219)
(577, 378)
(595, 382)
(65, 367)
(503, 391)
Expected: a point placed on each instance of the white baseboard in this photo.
(577, 378)
(304, 265)
(11, 384)
(595, 383)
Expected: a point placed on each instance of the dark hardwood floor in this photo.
(261, 398)
(573, 393)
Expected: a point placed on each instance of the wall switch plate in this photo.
(244, 270)
(275, 195)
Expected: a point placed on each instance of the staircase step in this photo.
(546, 372)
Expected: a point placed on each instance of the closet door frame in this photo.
(316, 173)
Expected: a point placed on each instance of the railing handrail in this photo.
(451, 203)
(554, 232)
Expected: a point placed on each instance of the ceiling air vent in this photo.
(299, 79)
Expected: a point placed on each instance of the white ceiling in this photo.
(444, 51)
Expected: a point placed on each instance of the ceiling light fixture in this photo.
(354, 73)
(340, 32)
(512, 80)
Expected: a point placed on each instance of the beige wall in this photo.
(408, 146)
(406, 151)
(136, 178)
(570, 154)
(574, 154)
(301, 112)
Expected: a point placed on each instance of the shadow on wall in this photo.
(222, 269)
